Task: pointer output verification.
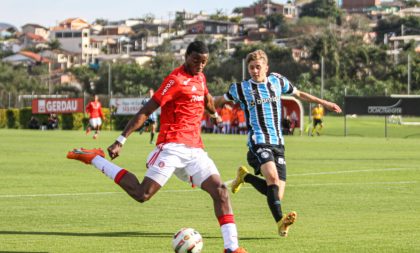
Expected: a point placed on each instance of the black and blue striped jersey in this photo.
(262, 106)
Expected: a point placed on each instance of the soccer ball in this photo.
(187, 240)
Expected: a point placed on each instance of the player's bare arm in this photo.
(219, 101)
(209, 105)
(136, 122)
(310, 98)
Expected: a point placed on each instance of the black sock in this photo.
(152, 135)
(273, 201)
(258, 183)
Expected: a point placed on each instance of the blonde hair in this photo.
(256, 55)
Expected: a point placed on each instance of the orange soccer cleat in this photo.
(85, 155)
(238, 250)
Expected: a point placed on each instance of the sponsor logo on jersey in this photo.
(167, 86)
(195, 98)
(267, 100)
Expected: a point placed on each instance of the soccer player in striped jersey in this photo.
(260, 97)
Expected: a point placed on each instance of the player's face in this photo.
(195, 63)
(258, 70)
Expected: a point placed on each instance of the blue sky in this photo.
(49, 12)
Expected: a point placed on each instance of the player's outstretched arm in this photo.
(310, 98)
(136, 122)
(219, 101)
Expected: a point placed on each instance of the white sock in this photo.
(108, 168)
(230, 236)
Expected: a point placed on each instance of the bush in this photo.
(120, 121)
(19, 118)
(25, 115)
(72, 121)
(3, 118)
(12, 116)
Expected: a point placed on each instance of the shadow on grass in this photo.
(104, 234)
(23, 251)
(117, 234)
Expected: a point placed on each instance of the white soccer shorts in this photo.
(188, 164)
(95, 122)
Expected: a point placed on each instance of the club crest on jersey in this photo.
(194, 88)
(273, 88)
(186, 81)
(161, 164)
(265, 155)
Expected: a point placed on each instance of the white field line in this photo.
(230, 181)
(340, 172)
(349, 171)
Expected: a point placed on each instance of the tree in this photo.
(411, 3)
(54, 44)
(321, 8)
(85, 76)
(275, 20)
(395, 25)
(179, 23)
(219, 15)
(101, 21)
(149, 18)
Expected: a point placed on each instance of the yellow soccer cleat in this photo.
(285, 223)
(239, 180)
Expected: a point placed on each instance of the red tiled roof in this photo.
(35, 37)
(34, 56)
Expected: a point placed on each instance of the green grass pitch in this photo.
(359, 193)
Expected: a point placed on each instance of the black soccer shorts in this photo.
(262, 153)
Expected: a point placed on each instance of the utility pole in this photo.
(243, 69)
(402, 30)
(109, 81)
(268, 13)
(322, 77)
(409, 74)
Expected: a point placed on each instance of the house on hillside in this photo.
(414, 11)
(35, 29)
(213, 27)
(74, 36)
(359, 6)
(262, 8)
(32, 40)
(26, 58)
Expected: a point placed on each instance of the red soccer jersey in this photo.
(94, 109)
(181, 98)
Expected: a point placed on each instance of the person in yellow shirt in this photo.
(317, 115)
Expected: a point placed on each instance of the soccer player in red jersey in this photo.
(94, 109)
(183, 97)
